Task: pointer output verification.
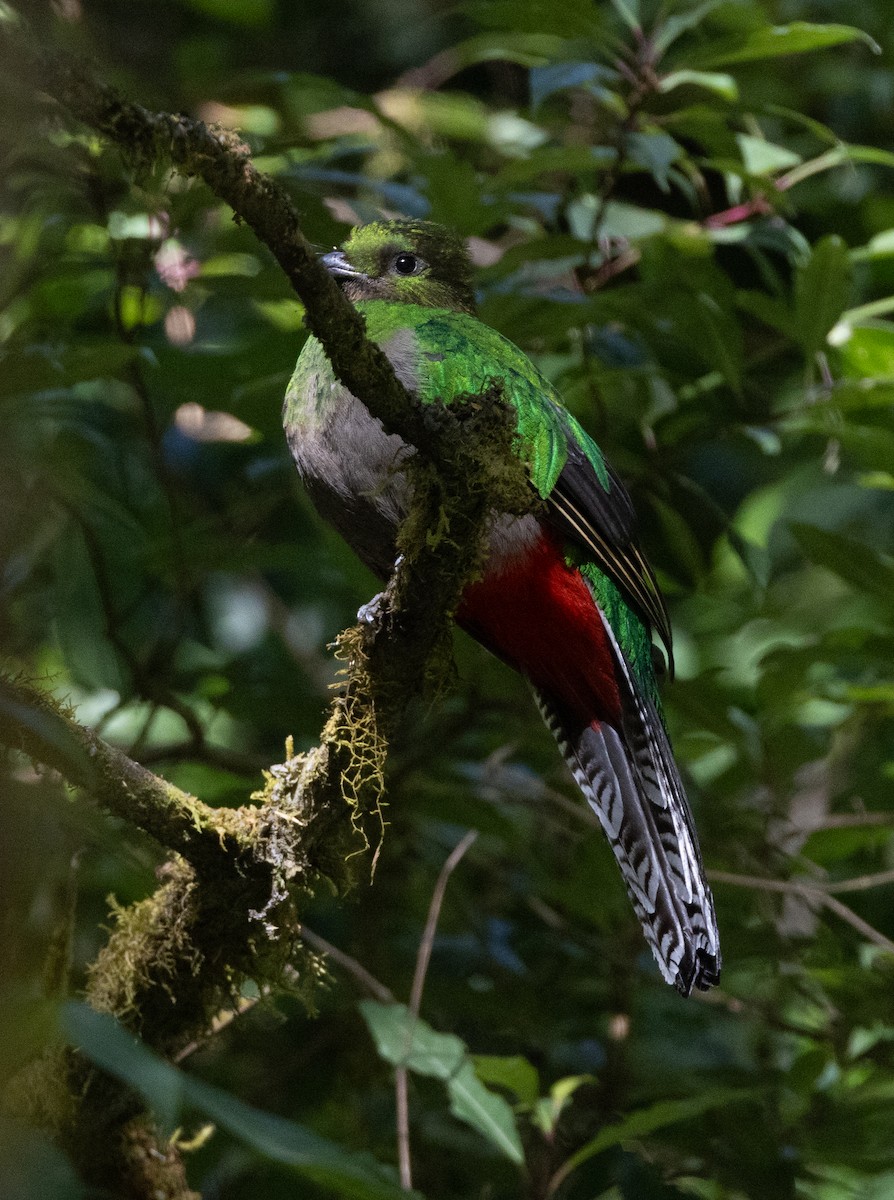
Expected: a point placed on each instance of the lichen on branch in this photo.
(227, 900)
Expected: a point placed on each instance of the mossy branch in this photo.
(223, 162)
(232, 888)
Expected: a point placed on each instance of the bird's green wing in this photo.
(586, 502)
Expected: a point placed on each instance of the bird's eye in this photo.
(407, 264)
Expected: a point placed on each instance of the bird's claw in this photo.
(369, 613)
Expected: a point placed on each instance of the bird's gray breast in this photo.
(351, 467)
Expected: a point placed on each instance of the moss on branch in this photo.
(229, 895)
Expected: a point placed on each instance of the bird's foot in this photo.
(369, 613)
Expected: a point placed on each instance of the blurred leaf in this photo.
(718, 82)
(81, 621)
(880, 245)
(658, 1116)
(236, 12)
(867, 353)
(674, 26)
(772, 41)
(822, 289)
(547, 80)
(628, 11)
(511, 1072)
(761, 157)
(619, 220)
(655, 152)
(32, 1168)
(854, 562)
(167, 1090)
(549, 1109)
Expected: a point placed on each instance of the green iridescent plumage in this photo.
(565, 595)
(452, 356)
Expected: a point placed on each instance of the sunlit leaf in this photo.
(761, 157)
(513, 1072)
(719, 82)
(485, 1111)
(799, 37)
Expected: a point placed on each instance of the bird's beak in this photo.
(336, 264)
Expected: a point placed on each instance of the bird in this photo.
(565, 596)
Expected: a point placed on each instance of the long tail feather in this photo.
(630, 780)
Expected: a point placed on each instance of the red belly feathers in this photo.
(539, 616)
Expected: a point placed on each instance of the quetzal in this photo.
(566, 597)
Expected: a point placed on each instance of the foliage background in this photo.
(161, 567)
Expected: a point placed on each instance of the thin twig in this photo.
(856, 922)
(220, 1022)
(431, 922)
(402, 1110)
(853, 820)
(423, 956)
(383, 994)
(861, 883)
(819, 893)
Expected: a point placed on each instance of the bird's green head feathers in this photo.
(410, 262)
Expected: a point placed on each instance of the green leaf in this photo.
(866, 353)
(167, 1091)
(531, 50)
(856, 563)
(658, 1116)
(574, 160)
(772, 41)
(718, 82)
(761, 157)
(549, 1108)
(769, 309)
(822, 290)
(881, 245)
(546, 81)
(32, 1168)
(619, 220)
(404, 1040)
(412, 1043)
(512, 1072)
(628, 11)
(668, 31)
(485, 1111)
(80, 622)
(655, 152)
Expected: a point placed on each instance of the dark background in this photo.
(160, 567)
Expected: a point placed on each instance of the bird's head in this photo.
(410, 262)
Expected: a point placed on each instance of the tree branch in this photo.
(227, 901)
(223, 162)
(821, 894)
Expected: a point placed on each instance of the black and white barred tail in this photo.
(630, 780)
